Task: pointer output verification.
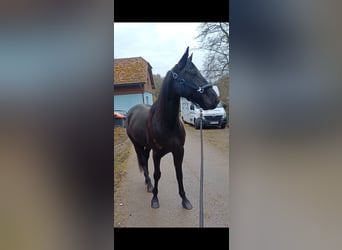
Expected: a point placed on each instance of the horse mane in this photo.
(162, 99)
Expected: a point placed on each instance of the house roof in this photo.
(132, 70)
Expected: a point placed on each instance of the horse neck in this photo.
(168, 103)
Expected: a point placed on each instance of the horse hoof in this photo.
(186, 204)
(149, 188)
(155, 203)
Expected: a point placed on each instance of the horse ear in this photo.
(190, 58)
(183, 60)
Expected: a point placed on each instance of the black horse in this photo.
(159, 128)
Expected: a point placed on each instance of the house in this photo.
(133, 83)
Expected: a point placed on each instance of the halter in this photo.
(199, 89)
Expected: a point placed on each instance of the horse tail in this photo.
(142, 155)
(141, 161)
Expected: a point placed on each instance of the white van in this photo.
(190, 113)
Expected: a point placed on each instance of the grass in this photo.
(122, 149)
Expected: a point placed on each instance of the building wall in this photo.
(148, 99)
(125, 102)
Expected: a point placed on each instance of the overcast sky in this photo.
(161, 44)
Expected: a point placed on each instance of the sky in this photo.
(161, 44)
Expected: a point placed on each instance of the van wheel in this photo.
(223, 126)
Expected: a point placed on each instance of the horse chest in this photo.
(164, 140)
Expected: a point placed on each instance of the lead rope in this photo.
(201, 175)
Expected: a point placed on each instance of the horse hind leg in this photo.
(146, 173)
(143, 155)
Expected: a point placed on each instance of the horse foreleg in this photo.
(156, 176)
(178, 160)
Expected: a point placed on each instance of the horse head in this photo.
(192, 85)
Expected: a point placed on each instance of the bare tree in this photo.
(214, 38)
(223, 85)
(158, 80)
